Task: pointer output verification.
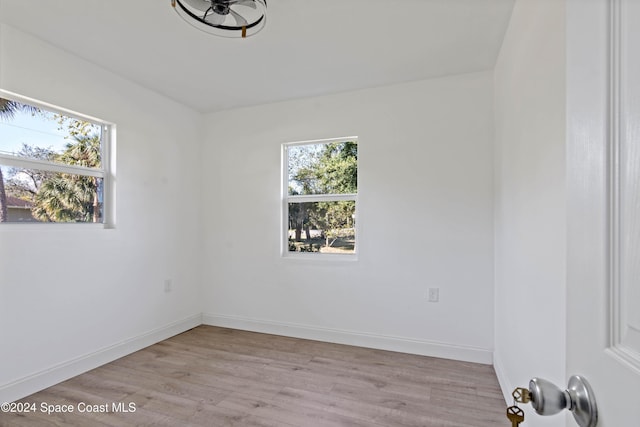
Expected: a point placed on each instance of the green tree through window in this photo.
(57, 172)
(321, 195)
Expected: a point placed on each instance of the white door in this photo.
(603, 272)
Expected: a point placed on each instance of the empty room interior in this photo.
(448, 258)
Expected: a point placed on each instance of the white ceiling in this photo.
(308, 48)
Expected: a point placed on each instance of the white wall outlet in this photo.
(433, 294)
(168, 285)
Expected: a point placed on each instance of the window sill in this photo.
(48, 226)
(315, 257)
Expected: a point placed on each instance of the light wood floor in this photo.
(211, 376)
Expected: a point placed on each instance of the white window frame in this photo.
(106, 171)
(287, 198)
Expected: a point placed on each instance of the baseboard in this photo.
(33, 383)
(503, 380)
(63, 371)
(382, 342)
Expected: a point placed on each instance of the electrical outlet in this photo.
(168, 286)
(433, 294)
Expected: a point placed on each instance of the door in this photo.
(603, 157)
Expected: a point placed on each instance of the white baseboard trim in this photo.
(63, 371)
(381, 342)
(503, 380)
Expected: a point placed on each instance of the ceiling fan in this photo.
(226, 18)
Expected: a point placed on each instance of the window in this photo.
(320, 187)
(53, 164)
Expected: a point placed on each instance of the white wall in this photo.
(74, 297)
(530, 197)
(426, 162)
(425, 211)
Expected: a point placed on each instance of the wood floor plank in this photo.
(211, 376)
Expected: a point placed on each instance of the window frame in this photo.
(105, 172)
(310, 198)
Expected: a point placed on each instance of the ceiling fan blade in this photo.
(248, 3)
(215, 18)
(239, 19)
(201, 5)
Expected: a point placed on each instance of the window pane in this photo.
(41, 196)
(322, 227)
(35, 133)
(323, 168)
